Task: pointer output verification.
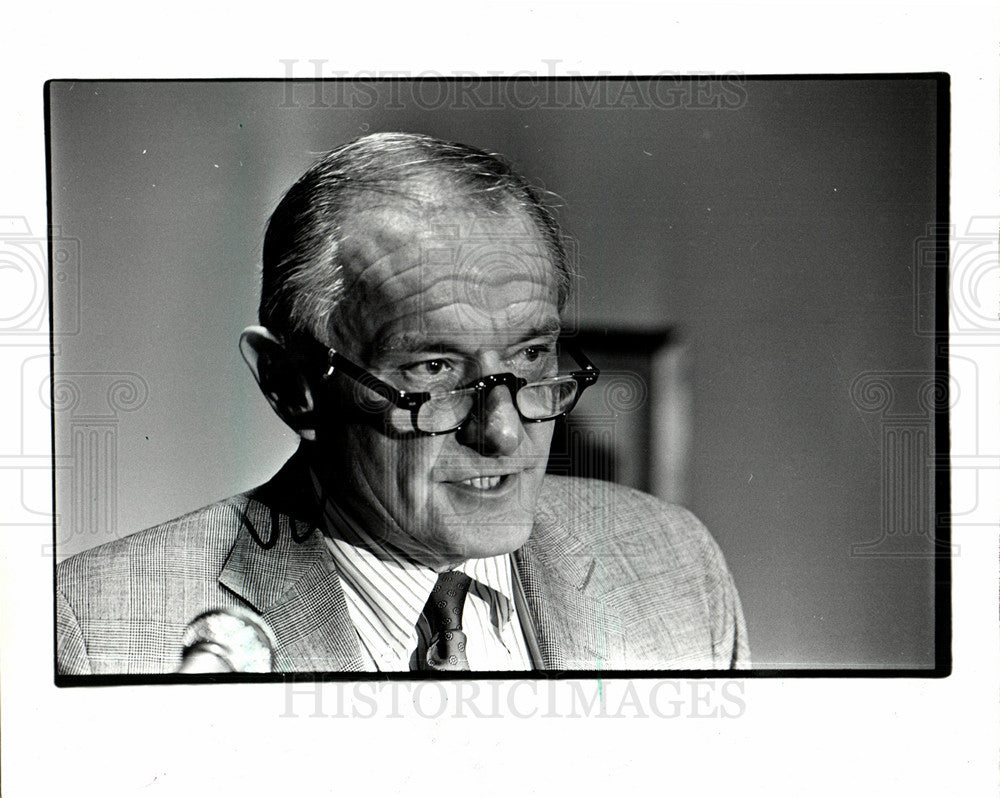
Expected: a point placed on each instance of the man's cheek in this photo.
(374, 469)
(416, 466)
(541, 440)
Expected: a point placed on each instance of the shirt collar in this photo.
(393, 589)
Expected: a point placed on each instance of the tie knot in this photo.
(446, 602)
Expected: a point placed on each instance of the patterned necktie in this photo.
(445, 650)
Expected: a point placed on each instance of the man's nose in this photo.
(494, 429)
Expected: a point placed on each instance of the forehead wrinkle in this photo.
(377, 276)
(375, 268)
(448, 339)
(365, 257)
(379, 231)
(394, 282)
(471, 292)
(437, 285)
(456, 312)
(427, 311)
(417, 329)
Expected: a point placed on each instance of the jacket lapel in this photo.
(281, 566)
(574, 629)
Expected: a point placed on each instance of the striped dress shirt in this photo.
(386, 594)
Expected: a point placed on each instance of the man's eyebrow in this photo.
(550, 326)
(423, 342)
(412, 342)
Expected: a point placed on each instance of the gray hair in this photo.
(303, 279)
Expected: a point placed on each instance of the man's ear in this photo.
(280, 380)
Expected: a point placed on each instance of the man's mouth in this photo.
(483, 483)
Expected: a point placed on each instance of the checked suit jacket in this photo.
(613, 579)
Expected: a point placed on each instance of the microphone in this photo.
(229, 640)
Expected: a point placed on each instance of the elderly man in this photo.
(410, 320)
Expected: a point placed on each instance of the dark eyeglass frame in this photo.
(412, 401)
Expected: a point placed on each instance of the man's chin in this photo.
(487, 538)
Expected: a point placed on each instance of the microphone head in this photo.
(227, 640)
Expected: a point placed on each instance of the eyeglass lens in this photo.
(535, 401)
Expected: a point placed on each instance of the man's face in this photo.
(435, 300)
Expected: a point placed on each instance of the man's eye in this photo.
(537, 352)
(428, 368)
(435, 366)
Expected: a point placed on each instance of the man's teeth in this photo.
(482, 483)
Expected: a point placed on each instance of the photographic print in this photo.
(414, 379)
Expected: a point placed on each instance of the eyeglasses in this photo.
(448, 411)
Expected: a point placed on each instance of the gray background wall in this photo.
(776, 233)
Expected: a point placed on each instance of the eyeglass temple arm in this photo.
(401, 399)
(590, 371)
